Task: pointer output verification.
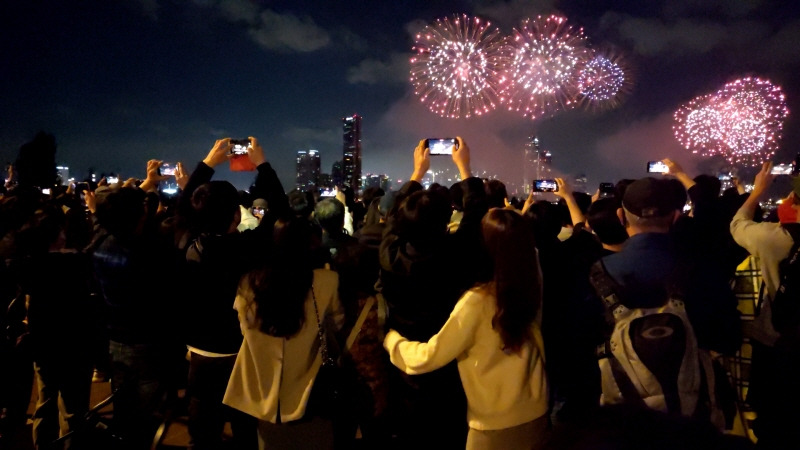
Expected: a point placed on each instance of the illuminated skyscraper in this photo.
(337, 175)
(537, 163)
(307, 169)
(351, 160)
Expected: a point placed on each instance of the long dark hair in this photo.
(281, 287)
(517, 279)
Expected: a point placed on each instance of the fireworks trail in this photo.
(548, 55)
(458, 66)
(742, 121)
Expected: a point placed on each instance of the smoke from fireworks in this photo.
(547, 58)
(458, 66)
(603, 81)
(742, 121)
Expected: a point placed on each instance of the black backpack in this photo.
(786, 304)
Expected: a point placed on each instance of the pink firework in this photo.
(742, 121)
(547, 58)
(458, 66)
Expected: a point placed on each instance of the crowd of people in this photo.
(446, 317)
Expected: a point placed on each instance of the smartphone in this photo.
(257, 211)
(166, 169)
(240, 146)
(657, 167)
(441, 146)
(46, 191)
(80, 187)
(545, 186)
(782, 169)
(112, 180)
(606, 189)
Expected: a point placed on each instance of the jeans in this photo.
(64, 386)
(208, 380)
(137, 380)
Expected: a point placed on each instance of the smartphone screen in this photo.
(240, 146)
(166, 169)
(782, 169)
(112, 180)
(441, 146)
(545, 186)
(657, 167)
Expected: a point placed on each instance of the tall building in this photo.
(337, 174)
(308, 169)
(537, 163)
(351, 159)
(63, 175)
(376, 181)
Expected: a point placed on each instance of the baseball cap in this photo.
(386, 203)
(650, 197)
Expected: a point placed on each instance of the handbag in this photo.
(327, 393)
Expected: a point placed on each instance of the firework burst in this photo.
(459, 66)
(547, 57)
(742, 121)
(603, 81)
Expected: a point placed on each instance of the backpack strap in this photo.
(359, 323)
(630, 395)
(605, 286)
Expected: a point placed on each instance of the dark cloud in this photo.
(508, 14)
(287, 32)
(373, 71)
(729, 8)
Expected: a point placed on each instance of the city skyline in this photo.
(152, 79)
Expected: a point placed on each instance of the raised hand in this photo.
(219, 153)
(422, 161)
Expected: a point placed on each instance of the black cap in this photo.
(650, 197)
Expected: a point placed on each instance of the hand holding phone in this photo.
(606, 190)
(545, 186)
(782, 169)
(441, 146)
(657, 167)
(166, 170)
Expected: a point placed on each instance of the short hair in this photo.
(329, 214)
(496, 193)
(121, 211)
(604, 222)
(545, 218)
(422, 218)
(245, 199)
(457, 196)
(216, 204)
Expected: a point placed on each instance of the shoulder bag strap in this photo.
(323, 345)
(359, 323)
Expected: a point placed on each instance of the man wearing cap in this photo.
(775, 368)
(653, 261)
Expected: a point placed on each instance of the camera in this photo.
(166, 169)
(545, 186)
(657, 167)
(257, 211)
(782, 169)
(441, 146)
(80, 187)
(240, 146)
(606, 189)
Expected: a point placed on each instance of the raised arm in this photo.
(565, 191)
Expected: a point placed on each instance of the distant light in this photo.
(170, 191)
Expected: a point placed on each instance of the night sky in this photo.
(119, 82)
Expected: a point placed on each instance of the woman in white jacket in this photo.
(493, 333)
(280, 355)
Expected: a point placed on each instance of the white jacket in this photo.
(270, 369)
(503, 390)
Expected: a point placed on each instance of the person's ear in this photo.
(621, 217)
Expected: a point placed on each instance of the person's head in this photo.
(301, 203)
(122, 212)
(511, 247)
(329, 214)
(370, 194)
(422, 218)
(546, 220)
(650, 205)
(603, 220)
(496, 193)
(281, 287)
(387, 206)
(216, 205)
(621, 186)
(45, 230)
(707, 186)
